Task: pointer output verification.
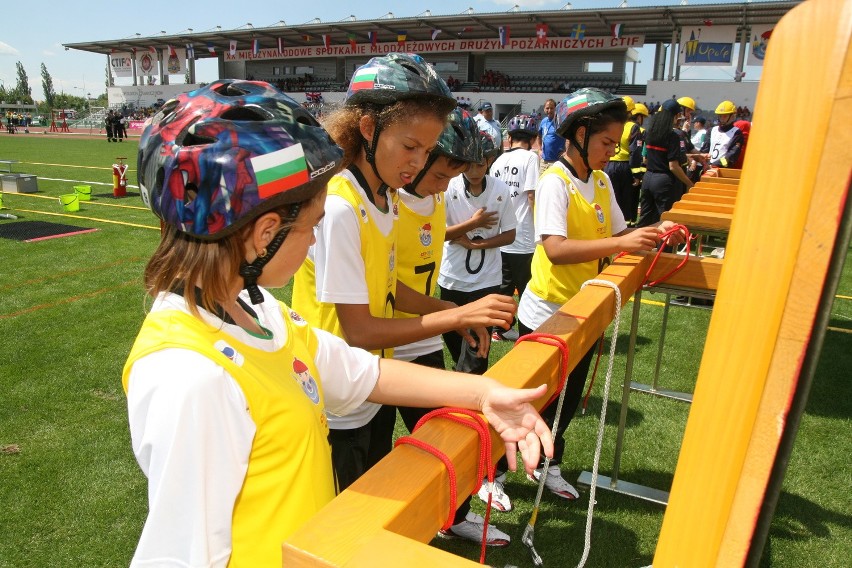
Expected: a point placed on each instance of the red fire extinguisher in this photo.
(119, 178)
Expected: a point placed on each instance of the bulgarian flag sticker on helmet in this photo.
(280, 170)
(574, 104)
(364, 78)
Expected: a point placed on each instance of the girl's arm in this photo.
(507, 410)
(562, 250)
(499, 240)
(481, 218)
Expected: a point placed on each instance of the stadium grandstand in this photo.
(515, 59)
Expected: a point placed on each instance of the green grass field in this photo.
(72, 495)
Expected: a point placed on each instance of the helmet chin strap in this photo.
(583, 149)
(251, 271)
(370, 154)
(412, 187)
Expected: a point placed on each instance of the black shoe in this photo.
(680, 300)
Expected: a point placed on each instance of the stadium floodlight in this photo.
(426, 13)
(388, 16)
(314, 21)
(515, 8)
(567, 6)
(623, 4)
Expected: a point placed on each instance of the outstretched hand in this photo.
(520, 426)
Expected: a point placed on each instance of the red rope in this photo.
(556, 341)
(665, 238)
(473, 420)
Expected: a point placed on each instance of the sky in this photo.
(39, 39)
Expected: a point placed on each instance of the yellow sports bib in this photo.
(379, 254)
(421, 247)
(585, 221)
(289, 476)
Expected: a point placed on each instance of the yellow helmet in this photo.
(687, 102)
(628, 100)
(640, 108)
(726, 107)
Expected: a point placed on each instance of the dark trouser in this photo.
(517, 272)
(573, 396)
(356, 450)
(626, 194)
(659, 192)
(452, 339)
(411, 415)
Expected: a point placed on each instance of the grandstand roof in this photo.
(656, 23)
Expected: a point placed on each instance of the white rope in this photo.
(604, 399)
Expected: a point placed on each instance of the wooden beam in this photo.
(710, 207)
(708, 198)
(768, 299)
(698, 221)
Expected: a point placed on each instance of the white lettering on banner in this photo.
(553, 44)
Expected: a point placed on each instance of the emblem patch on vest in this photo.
(426, 235)
(225, 349)
(303, 375)
(599, 212)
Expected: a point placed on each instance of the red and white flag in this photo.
(541, 33)
(326, 40)
(233, 47)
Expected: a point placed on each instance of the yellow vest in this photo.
(623, 153)
(378, 252)
(419, 257)
(289, 475)
(586, 221)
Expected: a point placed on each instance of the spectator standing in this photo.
(552, 144)
(485, 121)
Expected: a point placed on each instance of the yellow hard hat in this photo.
(640, 108)
(628, 100)
(726, 107)
(687, 102)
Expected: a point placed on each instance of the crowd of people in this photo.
(399, 194)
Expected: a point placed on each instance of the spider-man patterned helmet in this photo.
(213, 159)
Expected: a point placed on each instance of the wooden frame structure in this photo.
(763, 338)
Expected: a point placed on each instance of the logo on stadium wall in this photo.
(146, 64)
(173, 65)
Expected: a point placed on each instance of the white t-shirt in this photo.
(341, 273)
(551, 218)
(469, 270)
(411, 351)
(208, 398)
(518, 168)
(490, 127)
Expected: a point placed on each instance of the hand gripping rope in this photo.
(477, 422)
(556, 341)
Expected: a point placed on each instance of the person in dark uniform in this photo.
(618, 169)
(108, 126)
(661, 185)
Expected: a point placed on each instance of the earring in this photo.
(262, 253)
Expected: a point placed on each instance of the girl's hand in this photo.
(510, 413)
(643, 238)
(676, 238)
(463, 241)
(494, 310)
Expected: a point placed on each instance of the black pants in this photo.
(356, 450)
(659, 192)
(517, 272)
(453, 340)
(626, 194)
(573, 395)
(411, 415)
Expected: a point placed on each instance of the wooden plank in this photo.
(708, 198)
(697, 221)
(729, 173)
(768, 297)
(716, 186)
(695, 205)
(720, 180)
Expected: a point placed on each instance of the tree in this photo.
(47, 86)
(23, 92)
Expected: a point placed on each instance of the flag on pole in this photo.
(435, 34)
(306, 37)
(255, 46)
(373, 37)
(172, 52)
(504, 35)
(708, 23)
(326, 40)
(280, 44)
(211, 49)
(401, 36)
(578, 31)
(279, 171)
(233, 47)
(190, 51)
(352, 41)
(464, 30)
(152, 49)
(616, 30)
(541, 33)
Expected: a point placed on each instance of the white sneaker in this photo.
(499, 499)
(556, 483)
(471, 529)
